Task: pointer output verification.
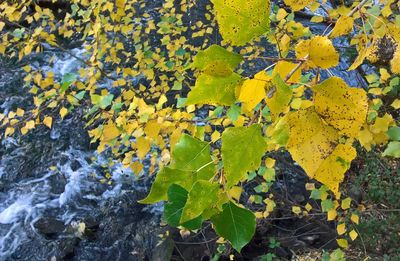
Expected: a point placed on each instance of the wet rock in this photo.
(164, 250)
(49, 227)
(75, 165)
(66, 247)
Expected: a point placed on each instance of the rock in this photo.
(67, 246)
(164, 250)
(49, 227)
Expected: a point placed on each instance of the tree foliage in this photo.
(144, 82)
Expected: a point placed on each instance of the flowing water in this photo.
(52, 186)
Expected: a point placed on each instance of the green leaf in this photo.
(177, 197)
(235, 224)
(216, 61)
(211, 89)
(67, 80)
(234, 112)
(242, 150)
(165, 178)
(202, 196)
(240, 21)
(393, 149)
(394, 133)
(106, 101)
(191, 154)
(80, 95)
(326, 205)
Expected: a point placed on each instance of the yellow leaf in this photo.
(283, 68)
(63, 112)
(332, 213)
(30, 125)
(308, 207)
(24, 130)
(297, 5)
(362, 54)
(152, 129)
(341, 229)
(20, 112)
(396, 104)
(2, 24)
(346, 203)
(353, 235)
(110, 132)
(296, 210)
(317, 19)
(382, 124)
(281, 14)
(120, 3)
(48, 121)
(385, 75)
(331, 171)
(278, 98)
(344, 25)
(342, 107)
(302, 50)
(355, 218)
(240, 21)
(296, 103)
(215, 136)
(322, 53)
(342, 243)
(136, 167)
(235, 192)
(251, 93)
(310, 140)
(395, 62)
(143, 147)
(9, 131)
(366, 138)
(269, 163)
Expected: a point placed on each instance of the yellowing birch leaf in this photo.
(20, 112)
(341, 229)
(362, 54)
(343, 26)
(283, 68)
(63, 112)
(311, 141)
(251, 93)
(216, 60)
(353, 235)
(201, 196)
(48, 121)
(240, 21)
(381, 124)
(322, 53)
(342, 107)
(395, 62)
(342, 243)
(143, 147)
(302, 50)
(214, 90)
(355, 218)
(297, 5)
(396, 104)
(110, 132)
(279, 96)
(30, 125)
(366, 138)
(332, 213)
(332, 169)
